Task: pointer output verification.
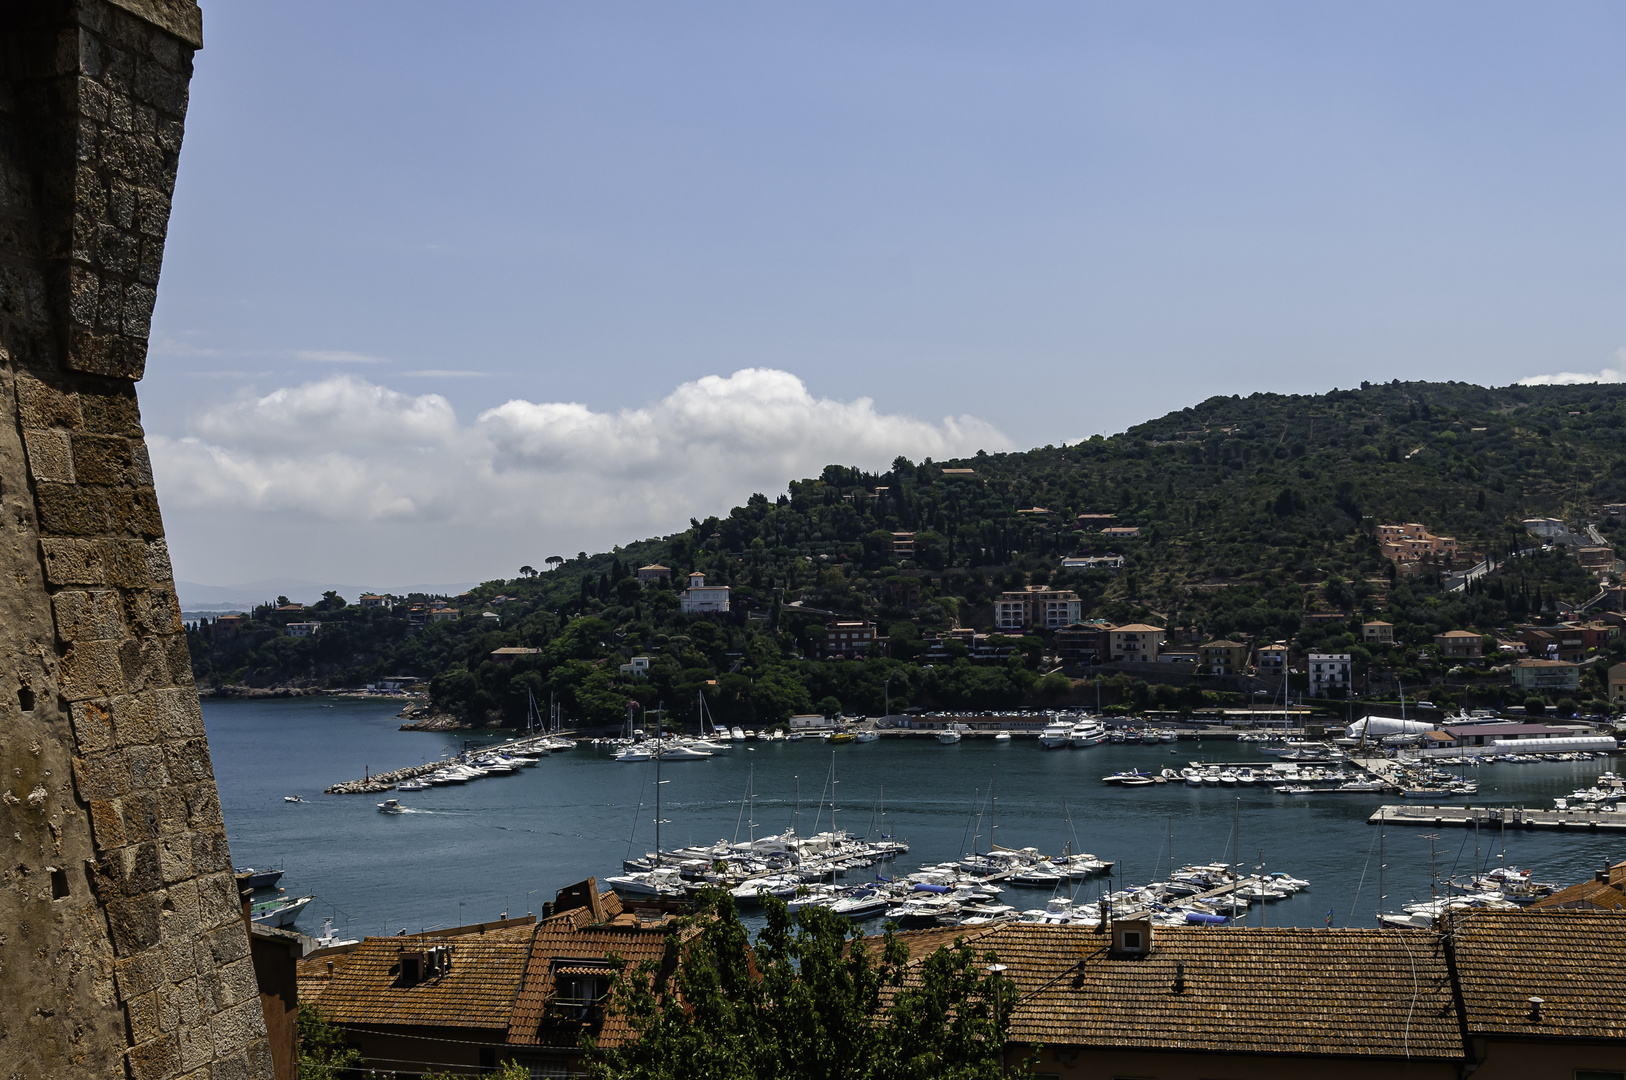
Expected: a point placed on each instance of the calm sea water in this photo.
(506, 844)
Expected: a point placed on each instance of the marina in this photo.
(498, 843)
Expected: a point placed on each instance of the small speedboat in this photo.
(391, 806)
(260, 879)
(1003, 736)
(871, 736)
(292, 798)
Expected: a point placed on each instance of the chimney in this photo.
(1132, 937)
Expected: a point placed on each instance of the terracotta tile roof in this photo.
(568, 943)
(478, 991)
(313, 974)
(1366, 993)
(1603, 895)
(1570, 959)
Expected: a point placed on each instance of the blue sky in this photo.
(396, 221)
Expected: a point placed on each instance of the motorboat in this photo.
(842, 737)
(281, 912)
(737, 733)
(391, 806)
(292, 798)
(950, 734)
(637, 752)
(1003, 736)
(412, 785)
(259, 879)
(710, 746)
(329, 938)
(662, 881)
(869, 735)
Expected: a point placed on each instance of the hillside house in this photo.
(1038, 607)
(1412, 543)
(1136, 643)
(1379, 633)
(444, 614)
(849, 640)
(654, 572)
(1546, 675)
(903, 543)
(1460, 645)
(701, 599)
(1617, 686)
(1271, 660)
(1108, 561)
(374, 600)
(1222, 657)
(1121, 532)
(303, 629)
(509, 653)
(636, 668)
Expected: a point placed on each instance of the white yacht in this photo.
(1088, 732)
(737, 733)
(391, 806)
(635, 752)
(1057, 734)
(682, 752)
(950, 734)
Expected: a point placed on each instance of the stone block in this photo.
(197, 1045)
(101, 459)
(137, 872)
(203, 806)
(93, 726)
(134, 923)
(181, 905)
(179, 714)
(138, 974)
(40, 405)
(135, 512)
(179, 658)
(107, 824)
(218, 903)
(228, 944)
(141, 1017)
(156, 612)
(91, 669)
(141, 471)
(143, 813)
(189, 760)
(49, 458)
(180, 967)
(175, 858)
(139, 301)
(72, 510)
(126, 562)
(75, 562)
(101, 776)
(156, 1059)
(148, 768)
(97, 348)
(209, 851)
(238, 984)
(143, 663)
(135, 720)
(238, 1026)
(88, 615)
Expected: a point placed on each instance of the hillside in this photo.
(1253, 512)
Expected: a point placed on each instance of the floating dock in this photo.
(1496, 817)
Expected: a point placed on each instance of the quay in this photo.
(1513, 817)
(386, 781)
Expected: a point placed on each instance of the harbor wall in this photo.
(124, 951)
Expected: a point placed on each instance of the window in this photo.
(1132, 939)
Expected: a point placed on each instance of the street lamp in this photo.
(996, 971)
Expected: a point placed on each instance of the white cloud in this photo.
(347, 451)
(1574, 378)
(337, 356)
(446, 373)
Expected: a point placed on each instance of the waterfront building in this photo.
(1617, 686)
(1329, 673)
(1222, 657)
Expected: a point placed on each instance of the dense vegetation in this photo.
(808, 999)
(1254, 513)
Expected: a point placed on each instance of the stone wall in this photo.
(122, 949)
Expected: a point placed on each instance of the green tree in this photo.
(323, 1054)
(814, 998)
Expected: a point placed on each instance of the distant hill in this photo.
(243, 597)
(1252, 514)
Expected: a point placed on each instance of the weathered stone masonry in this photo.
(122, 950)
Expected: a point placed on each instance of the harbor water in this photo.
(467, 853)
